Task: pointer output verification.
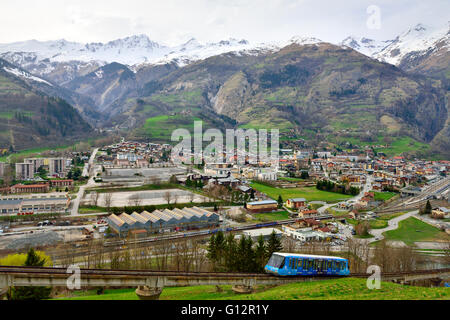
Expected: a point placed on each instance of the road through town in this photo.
(91, 172)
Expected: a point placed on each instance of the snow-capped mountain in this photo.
(62, 61)
(130, 51)
(366, 46)
(419, 40)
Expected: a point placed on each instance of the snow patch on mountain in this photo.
(25, 75)
(366, 46)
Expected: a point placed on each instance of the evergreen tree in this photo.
(260, 254)
(250, 261)
(31, 293)
(428, 208)
(273, 245)
(230, 255)
(211, 249)
(219, 245)
(280, 201)
(245, 255)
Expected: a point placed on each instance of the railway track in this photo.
(147, 273)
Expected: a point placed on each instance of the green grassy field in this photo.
(391, 215)
(337, 213)
(161, 127)
(309, 193)
(341, 289)
(404, 144)
(412, 229)
(383, 196)
(33, 152)
(374, 224)
(275, 216)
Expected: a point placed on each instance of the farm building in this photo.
(159, 221)
(296, 203)
(262, 206)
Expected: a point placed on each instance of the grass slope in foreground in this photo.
(341, 289)
(309, 193)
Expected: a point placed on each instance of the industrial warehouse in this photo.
(34, 203)
(162, 221)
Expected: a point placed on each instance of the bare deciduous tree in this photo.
(191, 196)
(162, 253)
(108, 200)
(168, 196)
(94, 198)
(134, 200)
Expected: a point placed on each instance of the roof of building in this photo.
(116, 220)
(127, 218)
(297, 199)
(244, 188)
(153, 218)
(263, 202)
(263, 232)
(22, 186)
(139, 217)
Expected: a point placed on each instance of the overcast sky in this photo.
(174, 21)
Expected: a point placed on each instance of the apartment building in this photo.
(24, 171)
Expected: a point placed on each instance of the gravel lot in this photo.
(151, 197)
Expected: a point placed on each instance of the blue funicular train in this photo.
(293, 264)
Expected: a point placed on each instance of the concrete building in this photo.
(56, 166)
(24, 171)
(302, 234)
(35, 203)
(36, 163)
(264, 232)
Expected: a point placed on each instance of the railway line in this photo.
(40, 272)
(414, 203)
(151, 283)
